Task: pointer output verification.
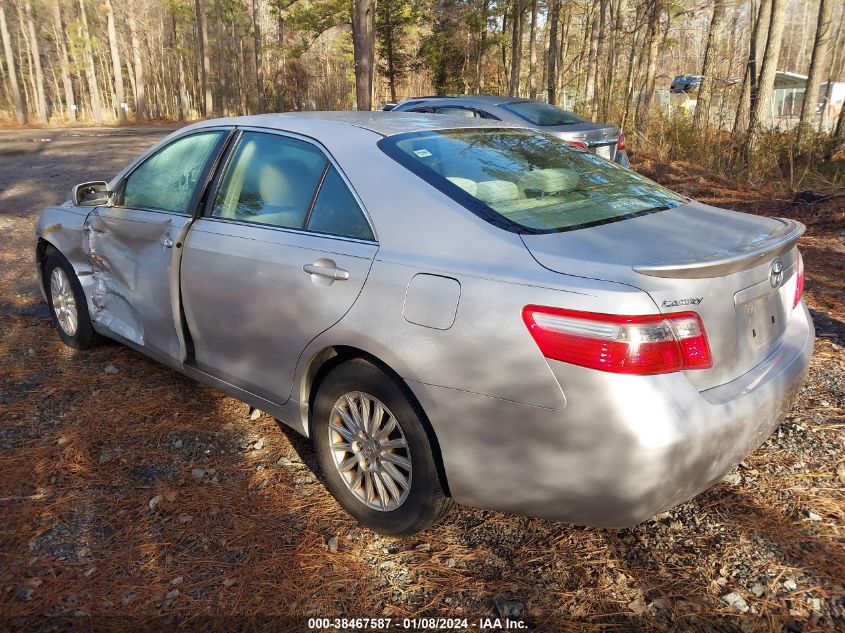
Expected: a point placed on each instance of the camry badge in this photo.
(674, 303)
(776, 273)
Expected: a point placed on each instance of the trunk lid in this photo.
(694, 257)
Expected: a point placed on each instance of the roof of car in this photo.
(487, 99)
(382, 123)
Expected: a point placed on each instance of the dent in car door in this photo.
(257, 284)
(134, 247)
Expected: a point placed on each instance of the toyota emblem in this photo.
(776, 273)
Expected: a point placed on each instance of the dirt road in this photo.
(129, 493)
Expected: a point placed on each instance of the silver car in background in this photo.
(603, 139)
(450, 308)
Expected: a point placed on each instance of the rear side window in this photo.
(541, 114)
(271, 179)
(457, 111)
(336, 211)
(167, 180)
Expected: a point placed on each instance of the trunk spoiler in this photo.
(776, 243)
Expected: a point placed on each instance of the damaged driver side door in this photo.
(134, 245)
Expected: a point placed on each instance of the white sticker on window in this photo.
(422, 153)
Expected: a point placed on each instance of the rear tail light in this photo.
(577, 144)
(648, 344)
(799, 286)
(620, 144)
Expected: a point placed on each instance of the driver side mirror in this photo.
(91, 194)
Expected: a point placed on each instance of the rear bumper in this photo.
(622, 449)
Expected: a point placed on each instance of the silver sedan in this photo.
(451, 309)
(603, 139)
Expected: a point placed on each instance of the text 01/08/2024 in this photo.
(410, 624)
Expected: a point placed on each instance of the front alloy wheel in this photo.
(66, 300)
(64, 303)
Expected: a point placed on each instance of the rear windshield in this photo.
(527, 181)
(541, 114)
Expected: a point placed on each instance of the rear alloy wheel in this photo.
(67, 303)
(370, 451)
(374, 451)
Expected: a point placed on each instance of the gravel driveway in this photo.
(129, 493)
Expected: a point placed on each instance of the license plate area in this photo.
(603, 151)
(762, 316)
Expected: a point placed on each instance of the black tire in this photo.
(426, 501)
(84, 337)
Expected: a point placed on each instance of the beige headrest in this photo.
(549, 180)
(496, 191)
(273, 185)
(470, 186)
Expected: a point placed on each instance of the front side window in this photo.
(527, 181)
(542, 114)
(270, 179)
(167, 180)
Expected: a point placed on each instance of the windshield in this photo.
(541, 114)
(527, 181)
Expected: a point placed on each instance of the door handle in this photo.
(330, 272)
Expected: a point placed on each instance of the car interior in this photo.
(269, 183)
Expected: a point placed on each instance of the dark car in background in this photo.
(685, 83)
(602, 139)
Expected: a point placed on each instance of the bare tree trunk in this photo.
(183, 91)
(90, 72)
(504, 48)
(481, 58)
(516, 48)
(759, 28)
(363, 45)
(140, 87)
(563, 48)
(532, 52)
(817, 61)
(610, 81)
(116, 67)
(7, 97)
(41, 102)
(67, 82)
(20, 111)
(551, 73)
(130, 71)
(599, 59)
(705, 92)
(240, 72)
(221, 101)
(280, 73)
(259, 55)
(24, 48)
(208, 101)
(629, 79)
(590, 53)
(761, 110)
(652, 41)
(107, 89)
(389, 55)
